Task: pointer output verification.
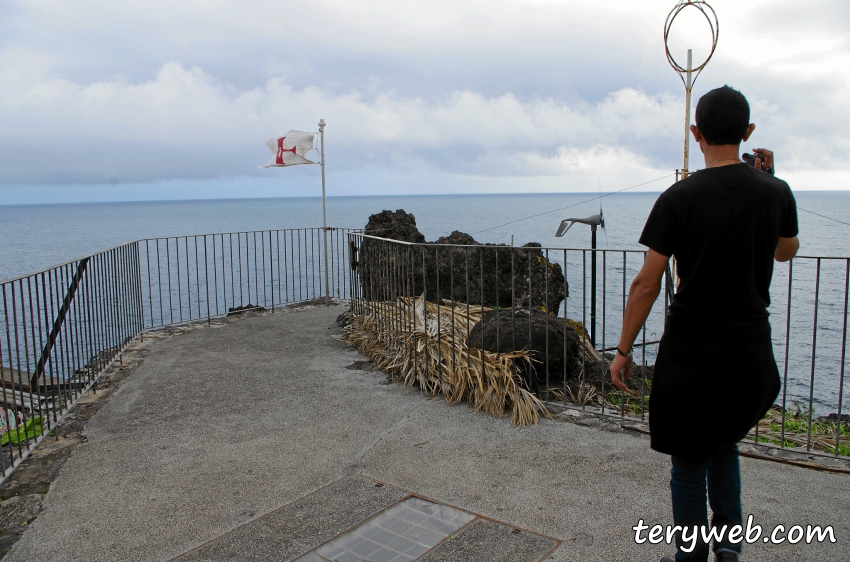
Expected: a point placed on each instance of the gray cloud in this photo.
(154, 91)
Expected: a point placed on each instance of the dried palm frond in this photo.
(583, 395)
(591, 355)
(423, 343)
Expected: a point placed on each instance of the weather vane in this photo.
(689, 74)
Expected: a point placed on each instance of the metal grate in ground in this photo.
(359, 520)
(401, 533)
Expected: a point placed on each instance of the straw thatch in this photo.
(423, 343)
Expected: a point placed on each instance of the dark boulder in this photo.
(395, 226)
(833, 418)
(455, 267)
(508, 330)
(494, 275)
(384, 268)
(344, 319)
(247, 308)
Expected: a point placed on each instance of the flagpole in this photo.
(689, 84)
(324, 209)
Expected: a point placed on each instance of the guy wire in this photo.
(598, 197)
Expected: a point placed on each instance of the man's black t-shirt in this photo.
(722, 224)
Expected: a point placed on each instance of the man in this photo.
(715, 374)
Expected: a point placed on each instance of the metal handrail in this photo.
(62, 327)
(811, 350)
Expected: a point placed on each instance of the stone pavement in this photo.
(265, 439)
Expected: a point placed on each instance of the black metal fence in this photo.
(62, 327)
(187, 278)
(585, 289)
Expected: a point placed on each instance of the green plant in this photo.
(843, 450)
(794, 427)
(30, 430)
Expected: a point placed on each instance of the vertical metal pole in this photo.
(583, 322)
(256, 271)
(593, 285)
(532, 379)
(207, 277)
(688, 87)
(139, 290)
(271, 268)
(787, 342)
(439, 301)
(215, 276)
(179, 278)
(198, 274)
(814, 352)
(843, 357)
(159, 284)
(188, 276)
(168, 276)
(324, 207)
(548, 312)
(223, 274)
(566, 326)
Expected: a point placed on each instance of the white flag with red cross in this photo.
(290, 149)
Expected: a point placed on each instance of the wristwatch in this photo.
(769, 170)
(620, 351)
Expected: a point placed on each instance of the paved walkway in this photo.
(254, 440)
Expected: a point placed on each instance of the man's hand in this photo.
(618, 365)
(766, 160)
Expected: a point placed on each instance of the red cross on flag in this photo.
(290, 149)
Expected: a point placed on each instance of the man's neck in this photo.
(720, 155)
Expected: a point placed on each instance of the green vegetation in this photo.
(30, 430)
(796, 430)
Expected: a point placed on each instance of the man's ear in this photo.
(696, 133)
(750, 128)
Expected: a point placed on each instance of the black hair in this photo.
(723, 116)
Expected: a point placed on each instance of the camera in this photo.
(751, 160)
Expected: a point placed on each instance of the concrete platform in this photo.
(254, 440)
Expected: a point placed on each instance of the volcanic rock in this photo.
(494, 275)
(509, 329)
(395, 226)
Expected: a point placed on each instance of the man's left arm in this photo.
(786, 249)
(642, 295)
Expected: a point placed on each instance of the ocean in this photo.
(35, 237)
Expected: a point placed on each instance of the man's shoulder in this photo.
(736, 174)
(683, 187)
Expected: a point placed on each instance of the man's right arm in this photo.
(786, 248)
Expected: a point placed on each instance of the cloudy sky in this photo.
(155, 99)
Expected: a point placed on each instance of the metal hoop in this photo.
(705, 9)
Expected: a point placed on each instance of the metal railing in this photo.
(61, 328)
(809, 318)
(187, 278)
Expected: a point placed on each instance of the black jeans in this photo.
(721, 475)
